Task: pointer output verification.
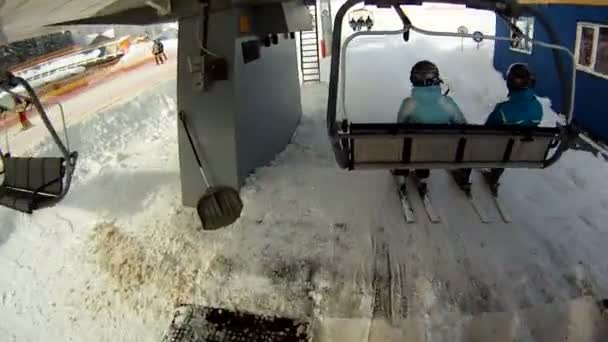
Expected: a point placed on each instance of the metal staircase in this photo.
(309, 50)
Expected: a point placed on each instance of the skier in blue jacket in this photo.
(427, 104)
(522, 108)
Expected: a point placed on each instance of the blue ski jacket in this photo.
(429, 106)
(522, 108)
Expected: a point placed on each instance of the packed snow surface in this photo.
(113, 259)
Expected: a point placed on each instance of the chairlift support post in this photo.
(398, 145)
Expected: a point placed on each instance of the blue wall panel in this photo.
(591, 102)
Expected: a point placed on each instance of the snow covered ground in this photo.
(120, 252)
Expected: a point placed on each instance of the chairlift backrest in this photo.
(36, 175)
(379, 146)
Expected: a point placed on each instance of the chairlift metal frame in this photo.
(342, 133)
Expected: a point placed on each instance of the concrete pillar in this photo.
(243, 122)
(211, 113)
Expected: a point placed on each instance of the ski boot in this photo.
(423, 188)
(491, 180)
(462, 179)
(420, 177)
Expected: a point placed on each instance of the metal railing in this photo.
(74, 65)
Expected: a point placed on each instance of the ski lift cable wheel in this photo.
(38, 182)
(395, 145)
(360, 13)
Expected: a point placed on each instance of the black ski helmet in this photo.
(519, 77)
(425, 74)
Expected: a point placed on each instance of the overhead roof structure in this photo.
(21, 19)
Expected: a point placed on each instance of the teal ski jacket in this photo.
(428, 105)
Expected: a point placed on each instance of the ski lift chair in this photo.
(430, 146)
(34, 183)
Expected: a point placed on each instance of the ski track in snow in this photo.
(120, 252)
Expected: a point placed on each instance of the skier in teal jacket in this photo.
(427, 105)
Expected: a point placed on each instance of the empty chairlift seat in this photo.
(30, 183)
(381, 146)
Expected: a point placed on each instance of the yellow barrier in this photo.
(66, 88)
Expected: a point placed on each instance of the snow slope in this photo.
(115, 257)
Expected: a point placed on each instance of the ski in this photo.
(406, 204)
(477, 207)
(421, 186)
(473, 199)
(502, 210)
